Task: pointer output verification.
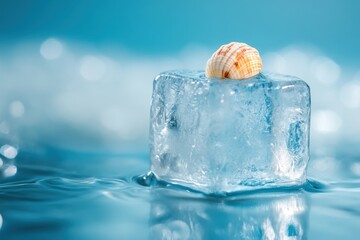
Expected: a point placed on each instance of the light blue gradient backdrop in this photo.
(158, 27)
(77, 74)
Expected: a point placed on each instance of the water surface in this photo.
(59, 194)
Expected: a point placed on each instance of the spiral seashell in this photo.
(235, 61)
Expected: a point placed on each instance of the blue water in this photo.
(70, 195)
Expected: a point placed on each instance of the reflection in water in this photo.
(7, 163)
(8, 151)
(9, 171)
(267, 217)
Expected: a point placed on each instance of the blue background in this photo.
(107, 53)
(156, 27)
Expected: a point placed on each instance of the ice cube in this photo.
(220, 136)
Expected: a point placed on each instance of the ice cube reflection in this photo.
(277, 216)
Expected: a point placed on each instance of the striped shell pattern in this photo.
(235, 61)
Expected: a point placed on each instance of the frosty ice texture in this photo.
(220, 136)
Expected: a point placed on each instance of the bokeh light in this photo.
(10, 171)
(113, 101)
(350, 95)
(326, 70)
(51, 49)
(326, 121)
(8, 151)
(92, 68)
(16, 109)
(355, 168)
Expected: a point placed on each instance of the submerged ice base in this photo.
(217, 136)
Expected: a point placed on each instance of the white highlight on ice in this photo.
(288, 210)
(51, 49)
(175, 229)
(283, 161)
(268, 229)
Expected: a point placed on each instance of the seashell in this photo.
(235, 61)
